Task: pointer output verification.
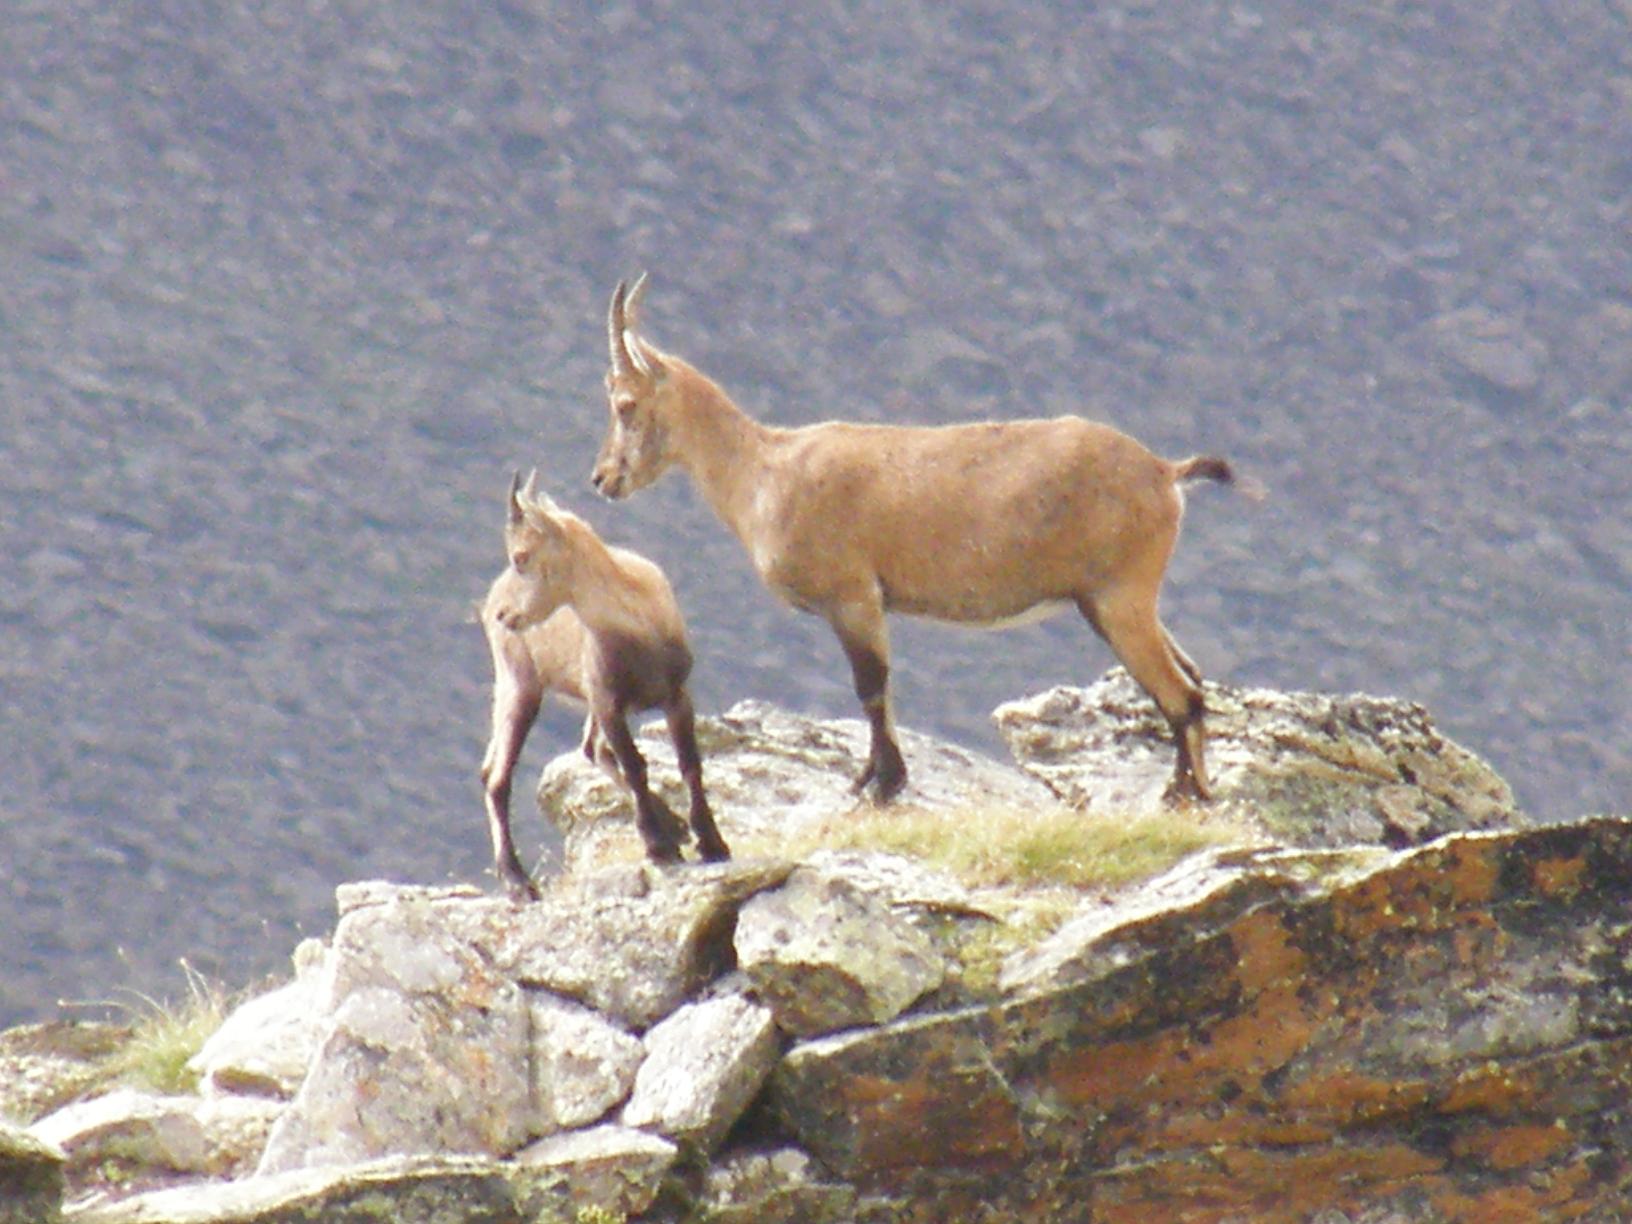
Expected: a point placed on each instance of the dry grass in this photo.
(1012, 847)
(164, 1035)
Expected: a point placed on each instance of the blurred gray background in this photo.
(289, 288)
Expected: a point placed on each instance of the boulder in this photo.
(1441, 1032)
(424, 1046)
(632, 941)
(1304, 769)
(45, 1066)
(612, 1167)
(266, 1044)
(1493, 348)
(780, 1186)
(213, 1136)
(31, 1178)
(773, 778)
(582, 1063)
(402, 1189)
(824, 954)
(704, 1064)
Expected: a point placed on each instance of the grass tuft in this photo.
(995, 845)
(163, 1036)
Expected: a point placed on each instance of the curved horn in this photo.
(515, 504)
(529, 491)
(631, 303)
(622, 364)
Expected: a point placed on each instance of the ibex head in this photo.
(638, 388)
(539, 552)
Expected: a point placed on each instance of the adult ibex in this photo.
(594, 624)
(980, 524)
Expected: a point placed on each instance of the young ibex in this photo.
(597, 625)
(980, 524)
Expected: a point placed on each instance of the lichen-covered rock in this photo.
(1443, 1031)
(823, 954)
(1307, 769)
(704, 1064)
(424, 1047)
(140, 1132)
(582, 1063)
(140, 1127)
(393, 1190)
(781, 1186)
(31, 1178)
(632, 941)
(45, 1066)
(772, 776)
(614, 1168)
(266, 1044)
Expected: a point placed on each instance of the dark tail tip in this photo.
(1207, 467)
(1211, 467)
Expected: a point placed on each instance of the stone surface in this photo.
(582, 1063)
(704, 1064)
(614, 1168)
(267, 1043)
(823, 954)
(1443, 1032)
(632, 941)
(45, 1066)
(161, 1131)
(394, 1190)
(424, 1046)
(782, 1186)
(31, 1178)
(1305, 768)
(772, 776)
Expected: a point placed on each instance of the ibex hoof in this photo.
(521, 889)
(879, 787)
(1186, 790)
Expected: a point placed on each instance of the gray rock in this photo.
(267, 1043)
(31, 1178)
(582, 1063)
(823, 954)
(1307, 769)
(612, 1167)
(155, 1131)
(783, 1186)
(772, 776)
(45, 1066)
(1491, 347)
(703, 1066)
(424, 1048)
(632, 942)
(401, 1189)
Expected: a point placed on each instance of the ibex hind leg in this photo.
(1131, 628)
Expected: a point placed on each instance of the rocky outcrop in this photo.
(1283, 1030)
(1439, 1032)
(31, 1178)
(1305, 769)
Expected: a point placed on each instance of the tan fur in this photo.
(590, 623)
(979, 524)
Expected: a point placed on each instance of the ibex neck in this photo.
(722, 448)
(597, 585)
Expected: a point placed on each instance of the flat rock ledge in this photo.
(1280, 1030)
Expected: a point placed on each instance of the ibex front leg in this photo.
(682, 722)
(866, 643)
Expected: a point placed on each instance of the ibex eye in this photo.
(520, 559)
